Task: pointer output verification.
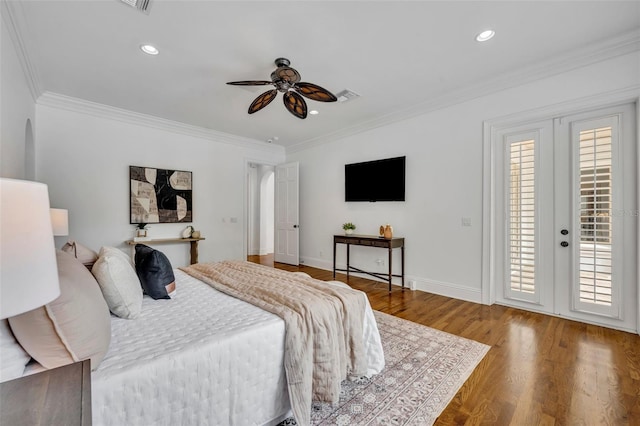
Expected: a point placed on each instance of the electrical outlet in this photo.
(321, 254)
(466, 221)
(233, 220)
(380, 262)
(412, 284)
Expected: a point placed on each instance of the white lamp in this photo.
(60, 222)
(28, 269)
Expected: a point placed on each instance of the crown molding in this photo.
(55, 100)
(577, 58)
(13, 17)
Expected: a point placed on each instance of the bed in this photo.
(200, 358)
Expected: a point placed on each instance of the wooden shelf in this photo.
(193, 242)
(164, 240)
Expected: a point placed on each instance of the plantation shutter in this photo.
(521, 217)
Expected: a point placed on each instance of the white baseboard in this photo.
(441, 288)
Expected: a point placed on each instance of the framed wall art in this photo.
(160, 195)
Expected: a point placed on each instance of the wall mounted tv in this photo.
(380, 180)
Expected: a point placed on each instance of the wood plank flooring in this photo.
(541, 370)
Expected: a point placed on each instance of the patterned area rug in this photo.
(424, 370)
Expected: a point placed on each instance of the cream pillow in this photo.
(119, 282)
(13, 358)
(84, 254)
(74, 327)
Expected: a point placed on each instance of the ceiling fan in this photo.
(287, 80)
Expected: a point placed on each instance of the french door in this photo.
(567, 242)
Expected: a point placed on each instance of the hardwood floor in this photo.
(541, 370)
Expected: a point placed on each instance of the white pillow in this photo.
(119, 282)
(73, 327)
(13, 358)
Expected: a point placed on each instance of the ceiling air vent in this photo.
(142, 5)
(346, 95)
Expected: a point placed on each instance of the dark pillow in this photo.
(155, 272)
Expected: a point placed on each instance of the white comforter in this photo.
(201, 358)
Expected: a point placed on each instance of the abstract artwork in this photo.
(160, 195)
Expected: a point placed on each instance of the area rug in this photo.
(424, 370)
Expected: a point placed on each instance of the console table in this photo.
(370, 241)
(193, 241)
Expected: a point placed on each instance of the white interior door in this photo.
(566, 193)
(286, 215)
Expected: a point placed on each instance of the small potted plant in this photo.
(348, 228)
(141, 230)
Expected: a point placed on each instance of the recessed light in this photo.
(314, 112)
(149, 49)
(485, 35)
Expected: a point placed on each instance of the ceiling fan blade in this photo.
(295, 104)
(262, 101)
(315, 92)
(286, 74)
(250, 83)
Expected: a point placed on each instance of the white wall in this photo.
(16, 107)
(444, 180)
(85, 161)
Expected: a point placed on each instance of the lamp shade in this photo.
(60, 222)
(28, 269)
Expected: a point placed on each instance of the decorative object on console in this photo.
(118, 282)
(388, 232)
(60, 222)
(187, 232)
(348, 228)
(155, 272)
(381, 231)
(28, 271)
(84, 254)
(74, 327)
(160, 195)
(287, 80)
(195, 234)
(141, 232)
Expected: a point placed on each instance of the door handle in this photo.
(295, 226)
(564, 232)
(564, 244)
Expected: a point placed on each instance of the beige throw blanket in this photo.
(324, 339)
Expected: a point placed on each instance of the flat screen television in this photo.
(379, 180)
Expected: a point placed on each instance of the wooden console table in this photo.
(193, 241)
(369, 241)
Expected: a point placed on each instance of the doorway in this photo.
(260, 212)
(564, 211)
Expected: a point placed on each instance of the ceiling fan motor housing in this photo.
(282, 62)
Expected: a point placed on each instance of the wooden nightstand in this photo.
(61, 396)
